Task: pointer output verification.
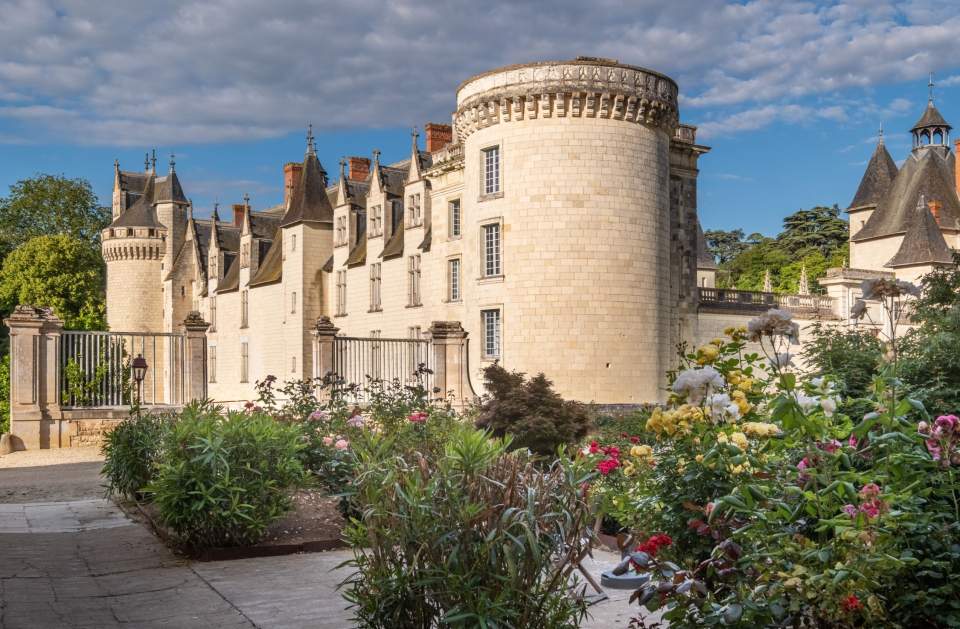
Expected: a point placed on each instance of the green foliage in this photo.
(530, 411)
(49, 205)
(132, 452)
(60, 272)
(476, 536)
(725, 245)
(929, 364)
(851, 357)
(223, 479)
(815, 238)
(5, 394)
(81, 387)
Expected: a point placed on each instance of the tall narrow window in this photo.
(341, 232)
(491, 250)
(376, 221)
(375, 301)
(293, 242)
(293, 364)
(293, 302)
(341, 292)
(491, 333)
(413, 280)
(212, 363)
(453, 279)
(491, 170)
(244, 362)
(455, 218)
(244, 308)
(213, 314)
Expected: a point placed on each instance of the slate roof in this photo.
(427, 239)
(142, 214)
(358, 255)
(168, 189)
(394, 246)
(271, 265)
(231, 278)
(931, 118)
(877, 179)
(328, 265)
(928, 172)
(924, 243)
(704, 259)
(309, 201)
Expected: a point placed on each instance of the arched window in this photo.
(938, 137)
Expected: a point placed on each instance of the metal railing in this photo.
(95, 368)
(358, 360)
(733, 299)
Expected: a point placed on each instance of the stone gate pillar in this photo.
(195, 357)
(34, 377)
(448, 341)
(323, 335)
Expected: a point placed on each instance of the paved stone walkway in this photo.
(81, 563)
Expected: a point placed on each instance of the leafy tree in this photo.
(61, 272)
(819, 228)
(725, 245)
(50, 204)
(929, 364)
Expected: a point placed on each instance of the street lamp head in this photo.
(139, 366)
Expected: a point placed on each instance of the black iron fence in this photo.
(358, 360)
(95, 368)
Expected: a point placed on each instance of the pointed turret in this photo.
(877, 179)
(142, 213)
(415, 173)
(169, 188)
(924, 243)
(308, 201)
(931, 129)
(704, 258)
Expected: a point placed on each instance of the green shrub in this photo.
(224, 479)
(5, 394)
(132, 451)
(531, 412)
(477, 536)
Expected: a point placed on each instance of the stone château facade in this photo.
(555, 219)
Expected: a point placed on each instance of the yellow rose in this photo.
(699, 458)
(707, 354)
(740, 440)
(722, 438)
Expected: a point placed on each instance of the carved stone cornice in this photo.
(588, 88)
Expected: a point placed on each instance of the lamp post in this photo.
(139, 366)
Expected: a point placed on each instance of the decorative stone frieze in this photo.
(593, 88)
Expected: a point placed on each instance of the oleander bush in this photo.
(132, 452)
(225, 477)
(530, 412)
(476, 535)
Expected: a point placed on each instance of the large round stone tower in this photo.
(133, 249)
(580, 153)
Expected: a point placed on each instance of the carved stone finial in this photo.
(195, 322)
(325, 327)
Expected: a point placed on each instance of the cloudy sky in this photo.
(788, 94)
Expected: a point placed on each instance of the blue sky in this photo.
(788, 94)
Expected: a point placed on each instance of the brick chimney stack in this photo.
(359, 168)
(291, 177)
(438, 136)
(935, 207)
(239, 209)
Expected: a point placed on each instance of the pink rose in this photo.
(871, 509)
(850, 510)
(852, 442)
(933, 447)
(342, 444)
(328, 441)
(417, 418)
(803, 464)
(870, 490)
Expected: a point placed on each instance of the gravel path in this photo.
(51, 475)
(53, 456)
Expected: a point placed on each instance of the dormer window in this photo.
(340, 235)
(414, 211)
(376, 221)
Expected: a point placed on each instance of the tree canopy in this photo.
(50, 204)
(814, 238)
(61, 272)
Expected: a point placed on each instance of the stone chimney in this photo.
(935, 207)
(291, 177)
(438, 136)
(359, 168)
(239, 209)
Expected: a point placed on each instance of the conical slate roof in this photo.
(309, 202)
(928, 173)
(704, 259)
(931, 118)
(880, 173)
(924, 243)
(142, 214)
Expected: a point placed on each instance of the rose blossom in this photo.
(870, 490)
(850, 510)
(341, 444)
(328, 441)
(417, 418)
(319, 416)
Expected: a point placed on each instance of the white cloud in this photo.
(187, 71)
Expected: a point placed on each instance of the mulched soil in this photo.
(314, 525)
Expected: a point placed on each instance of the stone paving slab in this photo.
(60, 517)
